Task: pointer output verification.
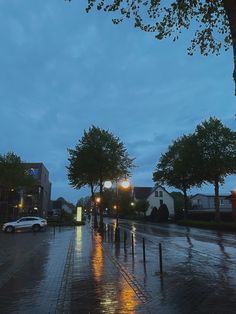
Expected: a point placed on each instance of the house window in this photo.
(161, 194)
(221, 202)
(156, 193)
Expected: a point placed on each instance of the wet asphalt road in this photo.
(75, 270)
(199, 267)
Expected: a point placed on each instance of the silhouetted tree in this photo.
(14, 177)
(179, 204)
(214, 21)
(99, 156)
(217, 147)
(178, 166)
(141, 206)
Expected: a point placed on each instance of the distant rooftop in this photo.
(210, 195)
(141, 192)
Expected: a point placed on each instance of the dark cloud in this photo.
(63, 70)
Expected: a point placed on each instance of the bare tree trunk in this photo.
(230, 8)
(185, 203)
(95, 220)
(216, 201)
(101, 206)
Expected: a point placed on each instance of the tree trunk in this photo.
(230, 8)
(95, 220)
(185, 203)
(216, 201)
(101, 206)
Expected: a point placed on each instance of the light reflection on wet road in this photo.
(97, 285)
(75, 270)
(34, 285)
(199, 266)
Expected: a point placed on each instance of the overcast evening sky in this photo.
(63, 70)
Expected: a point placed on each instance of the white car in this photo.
(33, 223)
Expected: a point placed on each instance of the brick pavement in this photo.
(35, 285)
(78, 271)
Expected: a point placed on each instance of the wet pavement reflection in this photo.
(76, 270)
(34, 282)
(97, 285)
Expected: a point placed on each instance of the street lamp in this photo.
(98, 200)
(95, 221)
(125, 184)
(107, 184)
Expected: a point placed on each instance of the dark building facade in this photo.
(38, 199)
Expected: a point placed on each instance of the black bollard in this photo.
(125, 238)
(144, 255)
(117, 234)
(160, 257)
(132, 243)
(111, 234)
(103, 233)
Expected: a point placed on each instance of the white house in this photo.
(205, 202)
(159, 196)
(155, 196)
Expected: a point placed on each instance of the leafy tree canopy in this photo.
(13, 173)
(169, 18)
(176, 167)
(99, 156)
(217, 148)
(214, 21)
(141, 206)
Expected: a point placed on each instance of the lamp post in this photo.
(125, 184)
(97, 201)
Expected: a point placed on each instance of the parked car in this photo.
(33, 223)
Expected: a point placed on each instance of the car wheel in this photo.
(36, 228)
(9, 229)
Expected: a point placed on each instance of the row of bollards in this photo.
(109, 230)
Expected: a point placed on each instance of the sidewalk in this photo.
(120, 282)
(75, 270)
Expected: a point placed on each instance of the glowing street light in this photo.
(107, 184)
(125, 184)
(98, 199)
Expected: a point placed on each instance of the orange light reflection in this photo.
(128, 298)
(97, 259)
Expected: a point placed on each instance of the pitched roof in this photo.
(141, 192)
(160, 186)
